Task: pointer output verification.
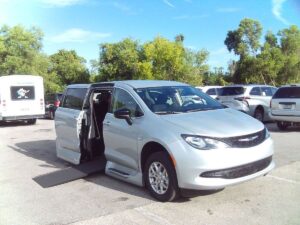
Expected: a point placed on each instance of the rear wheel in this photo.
(160, 177)
(31, 121)
(282, 125)
(259, 114)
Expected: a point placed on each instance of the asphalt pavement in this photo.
(27, 151)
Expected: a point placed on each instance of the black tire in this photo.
(282, 125)
(259, 114)
(172, 191)
(31, 121)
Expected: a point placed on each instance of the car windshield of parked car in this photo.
(227, 91)
(177, 99)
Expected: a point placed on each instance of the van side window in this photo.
(255, 91)
(267, 90)
(211, 91)
(123, 99)
(74, 98)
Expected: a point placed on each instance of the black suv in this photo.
(52, 102)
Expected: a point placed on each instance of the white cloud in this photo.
(276, 10)
(228, 10)
(62, 3)
(167, 2)
(78, 35)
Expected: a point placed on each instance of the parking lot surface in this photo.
(27, 151)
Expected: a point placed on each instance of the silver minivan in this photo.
(165, 135)
(253, 99)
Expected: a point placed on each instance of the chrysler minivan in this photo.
(165, 135)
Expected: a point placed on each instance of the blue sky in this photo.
(83, 24)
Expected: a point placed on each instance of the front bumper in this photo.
(218, 168)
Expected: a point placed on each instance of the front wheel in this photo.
(160, 177)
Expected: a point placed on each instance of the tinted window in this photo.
(267, 91)
(287, 92)
(255, 91)
(22, 93)
(74, 98)
(227, 91)
(176, 99)
(122, 99)
(219, 91)
(211, 91)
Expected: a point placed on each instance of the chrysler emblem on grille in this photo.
(248, 139)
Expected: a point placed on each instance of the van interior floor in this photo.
(71, 173)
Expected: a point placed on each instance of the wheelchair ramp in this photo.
(71, 173)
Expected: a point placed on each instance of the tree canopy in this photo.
(273, 60)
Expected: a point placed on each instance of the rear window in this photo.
(287, 92)
(19, 93)
(227, 91)
(74, 98)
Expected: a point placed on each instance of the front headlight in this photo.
(203, 143)
(267, 135)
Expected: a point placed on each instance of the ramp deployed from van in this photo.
(21, 98)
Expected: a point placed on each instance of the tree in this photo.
(245, 40)
(19, 50)
(20, 53)
(179, 38)
(271, 39)
(119, 61)
(69, 67)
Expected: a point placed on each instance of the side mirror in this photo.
(263, 94)
(123, 114)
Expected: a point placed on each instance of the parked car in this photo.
(285, 106)
(252, 99)
(213, 91)
(52, 102)
(150, 136)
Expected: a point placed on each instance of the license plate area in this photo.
(288, 105)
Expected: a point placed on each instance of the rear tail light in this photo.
(243, 99)
(57, 103)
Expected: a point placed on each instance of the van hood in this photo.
(215, 123)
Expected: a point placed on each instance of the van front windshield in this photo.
(177, 99)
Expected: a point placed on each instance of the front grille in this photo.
(246, 141)
(239, 171)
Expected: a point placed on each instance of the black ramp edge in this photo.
(71, 173)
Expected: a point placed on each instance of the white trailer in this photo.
(21, 98)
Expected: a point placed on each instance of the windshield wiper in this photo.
(166, 112)
(197, 110)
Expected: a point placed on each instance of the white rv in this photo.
(21, 98)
